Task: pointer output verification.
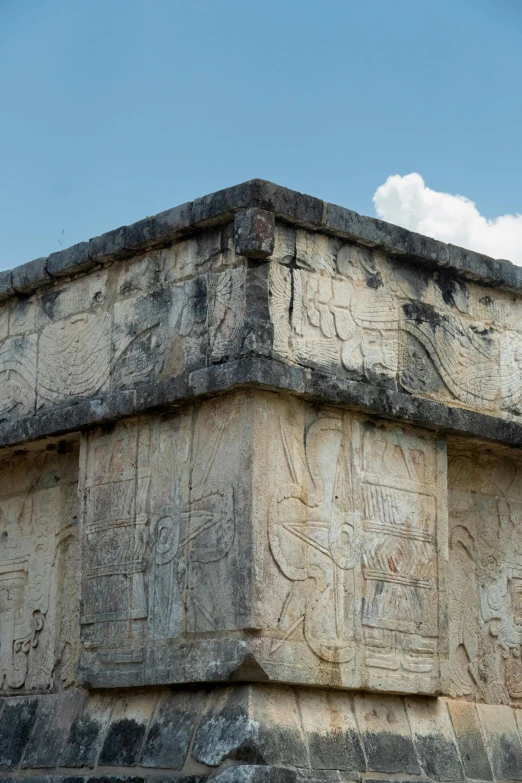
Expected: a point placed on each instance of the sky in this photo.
(111, 110)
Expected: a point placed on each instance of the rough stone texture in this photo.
(254, 233)
(70, 261)
(254, 444)
(38, 622)
(265, 731)
(348, 310)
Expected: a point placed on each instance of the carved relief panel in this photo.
(356, 559)
(485, 588)
(161, 547)
(39, 629)
(346, 309)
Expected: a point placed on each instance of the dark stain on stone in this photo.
(199, 301)
(507, 758)
(374, 280)
(48, 302)
(439, 757)
(337, 751)
(15, 727)
(82, 744)
(486, 300)
(480, 332)
(389, 752)
(421, 313)
(122, 743)
(448, 286)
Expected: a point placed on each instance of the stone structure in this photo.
(261, 502)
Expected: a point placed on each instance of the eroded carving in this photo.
(74, 358)
(33, 514)
(356, 530)
(374, 318)
(115, 529)
(159, 525)
(486, 575)
(17, 376)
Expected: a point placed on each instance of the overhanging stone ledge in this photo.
(269, 375)
(296, 208)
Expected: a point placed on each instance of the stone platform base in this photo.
(253, 734)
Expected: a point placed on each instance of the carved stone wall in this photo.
(165, 312)
(261, 503)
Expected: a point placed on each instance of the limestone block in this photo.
(16, 723)
(502, 741)
(171, 730)
(385, 735)
(249, 773)
(86, 732)
(470, 740)
(485, 595)
(74, 358)
(126, 730)
(54, 717)
(254, 233)
(434, 739)
(38, 596)
(22, 316)
(210, 251)
(85, 294)
(333, 738)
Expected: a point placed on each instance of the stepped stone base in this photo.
(256, 733)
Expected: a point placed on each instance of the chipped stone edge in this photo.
(267, 374)
(296, 208)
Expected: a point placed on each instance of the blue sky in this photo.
(117, 109)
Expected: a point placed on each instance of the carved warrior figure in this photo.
(382, 558)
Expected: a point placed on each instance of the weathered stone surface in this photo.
(171, 730)
(348, 310)
(86, 733)
(39, 626)
(434, 739)
(126, 732)
(332, 734)
(6, 284)
(256, 774)
(470, 740)
(485, 503)
(254, 233)
(70, 261)
(16, 723)
(54, 717)
(385, 735)
(502, 741)
(28, 277)
(356, 521)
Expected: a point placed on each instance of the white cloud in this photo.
(407, 202)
